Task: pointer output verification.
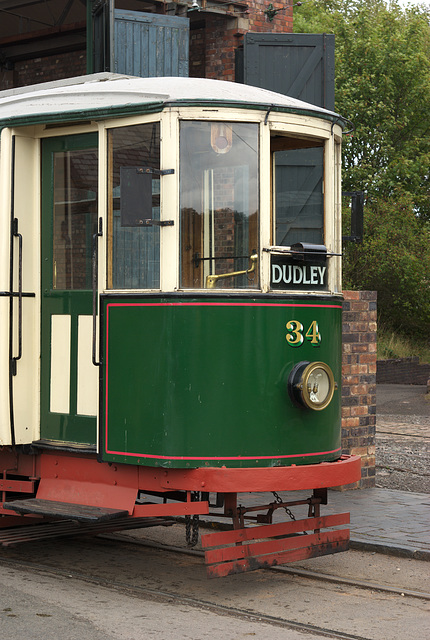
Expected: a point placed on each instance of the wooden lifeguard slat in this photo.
(242, 550)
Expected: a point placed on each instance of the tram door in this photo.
(69, 220)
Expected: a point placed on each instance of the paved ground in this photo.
(402, 400)
(403, 438)
(399, 515)
(103, 589)
(387, 521)
(393, 522)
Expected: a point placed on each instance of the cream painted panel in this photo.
(265, 206)
(169, 248)
(87, 372)
(26, 389)
(60, 364)
(5, 436)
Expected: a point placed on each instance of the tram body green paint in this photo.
(203, 381)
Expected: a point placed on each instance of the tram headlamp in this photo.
(311, 385)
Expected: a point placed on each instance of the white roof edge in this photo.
(101, 91)
(64, 82)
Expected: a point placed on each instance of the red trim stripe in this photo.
(202, 304)
(222, 304)
(275, 457)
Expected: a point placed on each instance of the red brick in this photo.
(351, 422)
(359, 411)
(359, 360)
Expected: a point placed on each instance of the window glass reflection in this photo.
(219, 205)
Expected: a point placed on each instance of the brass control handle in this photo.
(212, 280)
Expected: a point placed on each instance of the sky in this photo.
(404, 3)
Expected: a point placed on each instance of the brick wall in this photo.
(44, 69)
(359, 381)
(214, 39)
(402, 371)
(213, 43)
(259, 22)
(197, 61)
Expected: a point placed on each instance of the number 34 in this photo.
(295, 336)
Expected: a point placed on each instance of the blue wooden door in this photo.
(136, 43)
(150, 45)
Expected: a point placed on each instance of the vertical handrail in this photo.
(19, 236)
(95, 265)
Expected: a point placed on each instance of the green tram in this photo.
(170, 311)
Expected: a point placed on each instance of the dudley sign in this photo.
(288, 274)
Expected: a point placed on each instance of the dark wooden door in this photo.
(299, 65)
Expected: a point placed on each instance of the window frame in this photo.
(252, 264)
(286, 124)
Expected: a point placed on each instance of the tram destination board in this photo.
(287, 272)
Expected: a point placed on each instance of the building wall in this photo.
(403, 371)
(215, 38)
(44, 69)
(359, 381)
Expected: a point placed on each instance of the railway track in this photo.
(294, 571)
(303, 573)
(166, 594)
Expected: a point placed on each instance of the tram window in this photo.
(219, 205)
(298, 196)
(134, 250)
(74, 217)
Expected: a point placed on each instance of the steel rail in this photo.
(169, 596)
(402, 470)
(303, 573)
(404, 435)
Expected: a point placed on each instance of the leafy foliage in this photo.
(394, 259)
(393, 345)
(383, 87)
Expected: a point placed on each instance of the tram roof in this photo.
(103, 95)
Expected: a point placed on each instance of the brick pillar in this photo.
(222, 37)
(359, 381)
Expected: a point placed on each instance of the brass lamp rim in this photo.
(305, 390)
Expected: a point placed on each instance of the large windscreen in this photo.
(219, 205)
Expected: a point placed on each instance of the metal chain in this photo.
(192, 525)
(192, 530)
(287, 511)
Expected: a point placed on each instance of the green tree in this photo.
(383, 87)
(394, 259)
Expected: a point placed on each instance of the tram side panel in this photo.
(19, 375)
(5, 177)
(198, 381)
(26, 382)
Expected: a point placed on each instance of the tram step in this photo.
(69, 511)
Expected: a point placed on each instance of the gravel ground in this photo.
(403, 439)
